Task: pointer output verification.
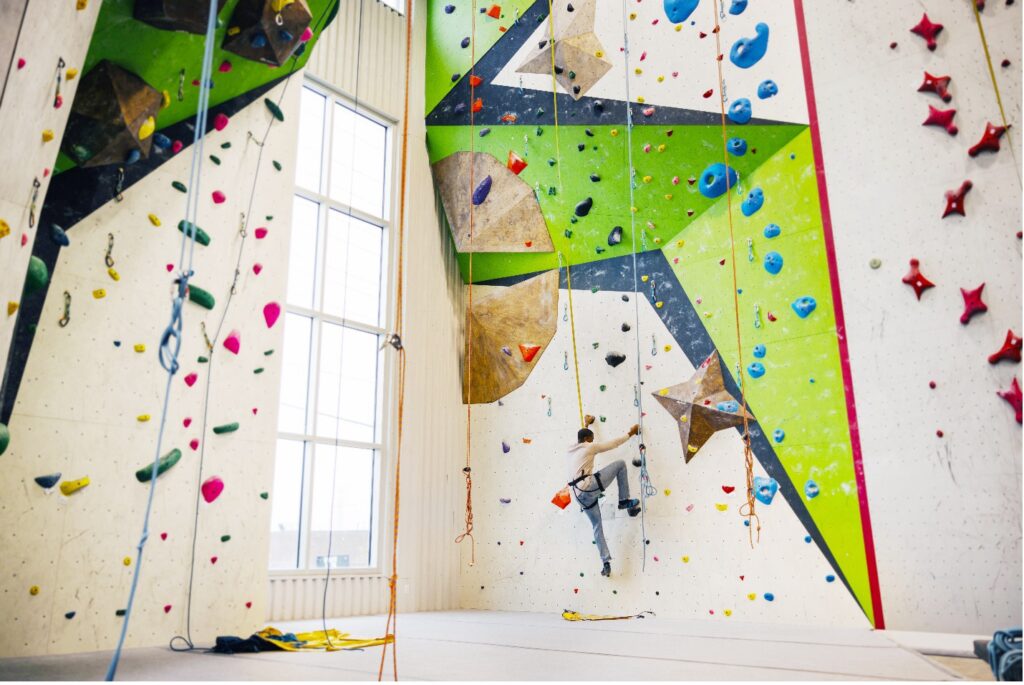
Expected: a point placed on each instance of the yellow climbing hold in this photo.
(81, 4)
(234, 30)
(112, 272)
(614, 132)
(154, 219)
(660, 79)
(668, 196)
(139, 347)
(34, 590)
(661, 148)
(680, 243)
(683, 419)
(127, 561)
(663, 392)
(634, 210)
(648, 179)
(657, 240)
(47, 135)
(278, 5)
(721, 507)
(147, 128)
(5, 229)
(659, 304)
(727, 612)
(667, 492)
(632, 16)
(99, 293)
(70, 486)
(167, 100)
(752, 596)
(707, 315)
(641, 100)
(71, 73)
(11, 308)
(142, 418)
(599, 54)
(668, 348)
(645, 278)
(686, 560)
(638, 71)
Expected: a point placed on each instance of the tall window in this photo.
(327, 471)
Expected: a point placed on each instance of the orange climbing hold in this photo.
(475, 80)
(529, 351)
(478, 104)
(494, 12)
(515, 163)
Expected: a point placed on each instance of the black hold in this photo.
(455, 77)
(558, 69)
(484, 132)
(595, 178)
(48, 481)
(551, 161)
(589, 133)
(568, 233)
(599, 249)
(570, 8)
(540, 45)
(540, 113)
(614, 358)
(576, 90)
(598, 107)
(626, 327)
(465, 42)
(625, 298)
(69, 615)
(615, 237)
(583, 208)
(58, 236)
(637, 463)
(581, 147)
(119, 612)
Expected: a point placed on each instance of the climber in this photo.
(588, 484)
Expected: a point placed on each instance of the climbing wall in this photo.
(700, 200)
(89, 408)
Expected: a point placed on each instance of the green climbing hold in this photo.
(277, 165)
(265, 495)
(38, 275)
(215, 159)
(144, 474)
(552, 190)
(186, 227)
(202, 360)
(225, 146)
(270, 217)
(5, 437)
(179, 186)
(201, 297)
(603, 388)
(268, 353)
(226, 428)
(225, 538)
(258, 370)
(274, 109)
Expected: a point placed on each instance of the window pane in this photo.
(302, 257)
(347, 395)
(352, 263)
(291, 416)
(345, 521)
(358, 155)
(286, 506)
(309, 163)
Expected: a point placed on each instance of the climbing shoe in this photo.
(606, 570)
(634, 511)
(628, 503)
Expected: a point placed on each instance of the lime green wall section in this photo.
(686, 154)
(158, 57)
(445, 54)
(802, 389)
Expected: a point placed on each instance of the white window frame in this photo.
(379, 554)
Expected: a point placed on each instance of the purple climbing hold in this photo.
(481, 192)
(448, 9)
(465, 42)
(505, 447)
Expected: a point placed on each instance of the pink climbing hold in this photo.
(21, 62)
(261, 233)
(916, 280)
(176, 147)
(255, 410)
(224, 68)
(972, 303)
(248, 605)
(220, 122)
(219, 197)
(927, 30)
(306, 35)
(1013, 398)
(170, 268)
(271, 310)
(211, 488)
(233, 342)
(194, 444)
(257, 268)
(187, 422)
(942, 118)
(163, 536)
(190, 379)
(213, 560)
(167, 608)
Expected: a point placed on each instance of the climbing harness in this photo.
(574, 484)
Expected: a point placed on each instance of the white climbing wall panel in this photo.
(82, 393)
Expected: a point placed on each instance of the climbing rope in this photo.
(995, 86)
(170, 341)
(749, 509)
(572, 327)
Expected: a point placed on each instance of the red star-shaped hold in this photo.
(927, 30)
(916, 280)
(936, 84)
(942, 118)
(989, 140)
(1009, 351)
(1013, 397)
(972, 303)
(955, 200)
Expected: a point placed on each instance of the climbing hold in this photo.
(145, 474)
(972, 303)
(48, 481)
(71, 486)
(220, 121)
(936, 84)
(47, 135)
(260, 233)
(528, 351)
(1010, 351)
(955, 200)
(943, 118)
(1013, 398)
(803, 306)
(760, 351)
(482, 190)
(729, 406)
(989, 140)
(736, 9)
(34, 590)
(769, 597)
(927, 30)
(613, 359)
(753, 202)
(778, 435)
(37, 276)
(916, 280)
(773, 263)
(146, 129)
(127, 561)
(275, 111)
(756, 370)
(143, 418)
(515, 163)
(746, 52)
(583, 207)
(154, 219)
(264, 495)
(11, 308)
(679, 11)
(59, 236)
(233, 342)
(160, 141)
(875, 263)
(740, 111)
(714, 181)
(277, 164)
(736, 147)
(625, 327)
(767, 89)
(190, 229)
(201, 297)
(811, 489)
(505, 447)
(271, 312)
(191, 378)
(211, 488)
(69, 615)
(721, 507)
(225, 428)
(257, 268)
(615, 237)
(772, 231)
(218, 197)
(179, 186)
(765, 489)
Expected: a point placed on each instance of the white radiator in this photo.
(300, 597)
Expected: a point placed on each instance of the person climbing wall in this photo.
(588, 485)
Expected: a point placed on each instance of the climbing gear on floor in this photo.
(576, 616)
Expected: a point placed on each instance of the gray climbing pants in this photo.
(588, 500)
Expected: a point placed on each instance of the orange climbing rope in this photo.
(391, 629)
(749, 509)
(467, 469)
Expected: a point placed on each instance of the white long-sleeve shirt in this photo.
(581, 458)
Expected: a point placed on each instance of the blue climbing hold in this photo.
(772, 231)
(737, 7)
(765, 489)
(133, 156)
(756, 370)
(778, 435)
(811, 489)
(285, 35)
(731, 406)
(737, 147)
(679, 11)
(161, 141)
(830, 578)
(803, 306)
(505, 447)
(769, 597)
(258, 41)
(48, 481)
(59, 236)
(713, 181)
(753, 202)
(448, 9)
(740, 111)
(767, 89)
(760, 351)
(746, 52)
(773, 263)
(481, 192)
(807, 539)
(465, 42)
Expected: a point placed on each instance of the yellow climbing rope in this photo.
(554, 92)
(995, 84)
(572, 327)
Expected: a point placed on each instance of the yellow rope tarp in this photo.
(331, 641)
(577, 616)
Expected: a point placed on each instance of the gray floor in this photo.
(486, 645)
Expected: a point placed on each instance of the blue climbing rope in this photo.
(170, 340)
